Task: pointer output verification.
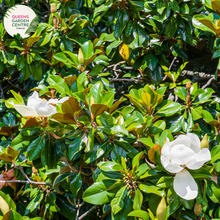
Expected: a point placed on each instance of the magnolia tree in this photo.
(110, 110)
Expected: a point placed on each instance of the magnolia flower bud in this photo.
(188, 98)
(53, 8)
(80, 56)
(188, 85)
(198, 209)
(205, 142)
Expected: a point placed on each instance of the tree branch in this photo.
(2, 92)
(77, 211)
(80, 205)
(208, 83)
(127, 67)
(25, 175)
(114, 66)
(125, 79)
(28, 180)
(76, 206)
(25, 181)
(201, 75)
(174, 59)
(14, 85)
(86, 213)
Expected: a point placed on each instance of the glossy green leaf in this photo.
(195, 114)
(23, 140)
(12, 215)
(213, 191)
(170, 27)
(165, 181)
(157, 127)
(51, 202)
(180, 52)
(76, 184)
(123, 214)
(47, 38)
(205, 25)
(201, 173)
(165, 134)
(61, 178)
(162, 210)
(26, 72)
(169, 109)
(35, 203)
(35, 148)
(98, 109)
(110, 166)
(215, 153)
(181, 93)
(119, 129)
(140, 214)
(136, 160)
(75, 147)
(66, 209)
(96, 92)
(64, 59)
(87, 49)
(117, 203)
(147, 141)
(97, 194)
(176, 124)
(151, 189)
(138, 199)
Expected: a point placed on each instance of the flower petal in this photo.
(185, 186)
(180, 154)
(53, 101)
(45, 109)
(34, 99)
(26, 110)
(199, 159)
(166, 149)
(181, 139)
(195, 142)
(172, 168)
(63, 99)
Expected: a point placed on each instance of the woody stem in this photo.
(25, 181)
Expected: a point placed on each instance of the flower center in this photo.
(180, 154)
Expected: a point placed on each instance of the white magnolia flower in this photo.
(36, 107)
(56, 101)
(180, 155)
